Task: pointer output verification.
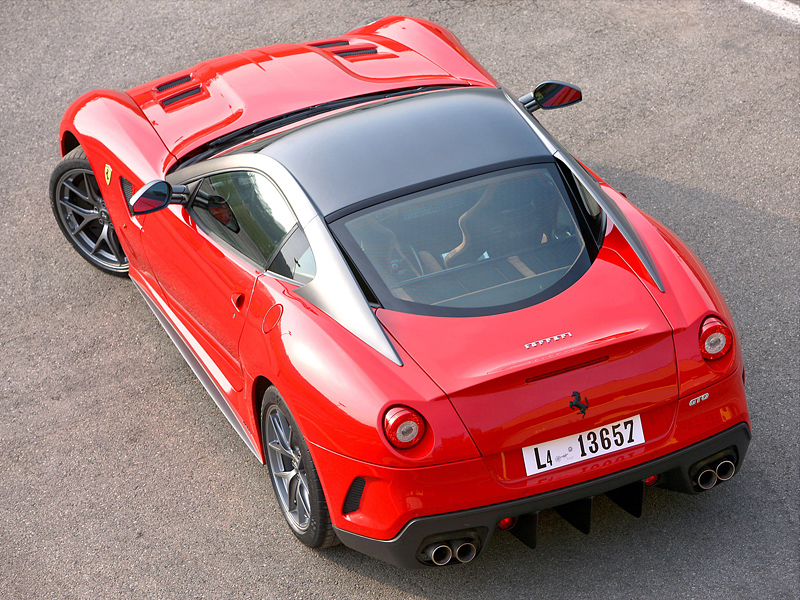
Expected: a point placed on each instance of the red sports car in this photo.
(425, 316)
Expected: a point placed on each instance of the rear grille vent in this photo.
(331, 44)
(353, 499)
(127, 188)
(357, 52)
(181, 96)
(175, 82)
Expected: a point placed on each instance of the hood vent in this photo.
(182, 96)
(347, 53)
(331, 44)
(175, 82)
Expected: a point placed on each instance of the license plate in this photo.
(583, 446)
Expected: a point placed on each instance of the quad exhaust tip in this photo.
(451, 552)
(714, 472)
(463, 550)
(707, 479)
(725, 470)
(439, 554)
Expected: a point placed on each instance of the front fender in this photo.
(114, 132)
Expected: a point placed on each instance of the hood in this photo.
(220, 96)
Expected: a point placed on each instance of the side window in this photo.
(295, 260)
(244, 210)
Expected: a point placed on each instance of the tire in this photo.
(294, 477)
(81, 214)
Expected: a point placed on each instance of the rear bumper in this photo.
(479, 524)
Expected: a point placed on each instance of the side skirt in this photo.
(199, 370)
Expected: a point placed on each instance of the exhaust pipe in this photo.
(707, 479)
(463, 550)
(725, 470)
(438, 554)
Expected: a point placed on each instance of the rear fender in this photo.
(337, 387)
(690, 296)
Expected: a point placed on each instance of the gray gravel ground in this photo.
(119, 478)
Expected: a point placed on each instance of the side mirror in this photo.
(151, 197)
(551, 94)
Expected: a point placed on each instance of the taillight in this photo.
(403, 426)
(716, 339)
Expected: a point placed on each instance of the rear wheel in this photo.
(294, 478)
(81, 213)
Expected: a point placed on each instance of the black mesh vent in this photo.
(353, 499)
(171, 84)
(127, 188)
(181, 96)
(358, 52)
(332, 44)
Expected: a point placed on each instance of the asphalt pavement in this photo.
(119, 477)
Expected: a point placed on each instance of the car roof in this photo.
(398, 146)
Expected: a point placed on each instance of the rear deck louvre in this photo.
(181, 96)
(331, 44)
(347, 53)
(175, 82)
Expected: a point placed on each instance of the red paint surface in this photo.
(483, 395)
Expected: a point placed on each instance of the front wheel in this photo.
(294, 478)
(81, 213)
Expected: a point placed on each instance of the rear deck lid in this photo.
(512, 376)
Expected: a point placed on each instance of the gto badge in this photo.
(576, 404)
(547, 340)
(698, 400)
(108, 174)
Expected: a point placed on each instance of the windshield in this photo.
(483, 245)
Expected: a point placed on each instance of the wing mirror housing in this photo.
(151, 197)
(551, 94)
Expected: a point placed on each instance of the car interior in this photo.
(481, 243)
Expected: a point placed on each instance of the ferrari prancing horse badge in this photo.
(108, 174)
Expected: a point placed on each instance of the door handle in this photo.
(238, 300)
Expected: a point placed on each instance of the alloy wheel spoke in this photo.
(280, 449)
(281, 434)
(113, 244)
(70, 185)
(94, 197)
(88, 219)
(286, 476)
(102, 238)
(89, 191)
(301, 499)
(84, 212)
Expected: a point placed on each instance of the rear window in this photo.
(482, 245)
